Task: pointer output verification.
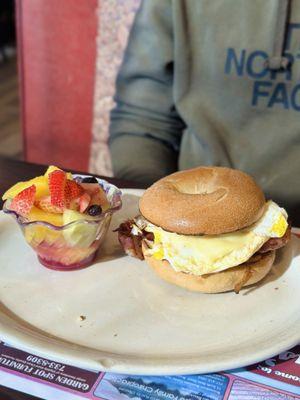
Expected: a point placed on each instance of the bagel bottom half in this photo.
(231, 279)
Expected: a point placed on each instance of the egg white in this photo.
(205, 254)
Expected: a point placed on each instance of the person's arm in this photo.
(145, 129)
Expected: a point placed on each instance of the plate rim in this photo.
(178, 367)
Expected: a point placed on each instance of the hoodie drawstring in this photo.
(277, 60)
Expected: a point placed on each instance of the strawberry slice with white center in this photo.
(57, 183)
(73, 190)
(23, 202)
(91, 188)
(100, 199)
(84, 202)
(98, 195)
(44, 203)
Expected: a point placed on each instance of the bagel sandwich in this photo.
(207, 229)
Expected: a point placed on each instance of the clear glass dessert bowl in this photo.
(74, 245)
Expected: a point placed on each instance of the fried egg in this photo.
(207, 254)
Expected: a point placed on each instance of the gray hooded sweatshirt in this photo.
(212, 82)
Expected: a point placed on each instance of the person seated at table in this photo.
(211, 83)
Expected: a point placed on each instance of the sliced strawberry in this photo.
(91, 188)
(100, 198)
(84, 202)
(57, 184)
(73, 190)
(98, 195)
(24, 201)
(44, 203)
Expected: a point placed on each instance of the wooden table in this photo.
(12, 171)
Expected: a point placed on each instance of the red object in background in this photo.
(57, 50)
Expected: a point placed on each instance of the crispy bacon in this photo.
(132, 244)
(276, 243)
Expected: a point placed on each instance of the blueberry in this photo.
(94, 210)
(89, 179)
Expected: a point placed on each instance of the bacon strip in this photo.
(132, 244)
(276, 243)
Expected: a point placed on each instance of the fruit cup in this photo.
(72, 245)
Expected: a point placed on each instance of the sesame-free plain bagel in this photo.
(233, 278)
(203, 200)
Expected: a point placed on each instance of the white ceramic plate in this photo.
(135, 322)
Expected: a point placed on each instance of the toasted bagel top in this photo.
(203, 200)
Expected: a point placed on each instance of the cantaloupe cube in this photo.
(40, 182)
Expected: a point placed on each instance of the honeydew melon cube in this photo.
(81, 233)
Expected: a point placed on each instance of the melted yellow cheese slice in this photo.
(208, 254)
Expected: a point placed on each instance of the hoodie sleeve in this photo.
(145, 129)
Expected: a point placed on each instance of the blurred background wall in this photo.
(58, 64)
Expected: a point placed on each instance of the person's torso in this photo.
(239, 112)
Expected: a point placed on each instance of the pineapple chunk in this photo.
(39, 233)
(40, 182)
(36, 214)
(81, 234)
(53, 168)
